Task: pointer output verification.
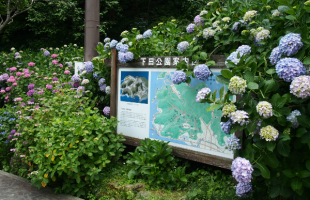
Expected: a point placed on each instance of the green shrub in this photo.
(67, 141)
(154, 162)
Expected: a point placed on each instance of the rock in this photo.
(143, 194)
(139, 186)
(129, 187)
(113, 185)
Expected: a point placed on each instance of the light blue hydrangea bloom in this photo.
(292, 117)
(202, 72)
(232, 143)
(89, 67)
(118, 46)
(226, 126)
(101, 82)
(290, 44)
(147, 34)
(190, 28)
(178, 77)
(242, 170)
(106, 40)
(275, 56)
(244, 190)
(113, 44)
(124, 48)
(182, 46)
(289, 68)
(107, 47)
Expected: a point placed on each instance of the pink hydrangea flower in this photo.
(45, 78)
(49, 87)
(27, 75)
(32, 72)
(8, 88)
(22, 156)
(55, 62)
(2, 91)
(54, 74)
(31, 64)
(18, 99)
(13, 69)
(67, 72)
(54, 56)
(14, 84)
(60, 65)
(19, 74)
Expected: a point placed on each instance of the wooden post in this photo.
(113, 96)
(91, 30)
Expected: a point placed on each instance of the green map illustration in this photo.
(176, 116)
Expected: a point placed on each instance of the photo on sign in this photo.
(134, 86)
(175, 115)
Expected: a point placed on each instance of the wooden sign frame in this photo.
(206, 158)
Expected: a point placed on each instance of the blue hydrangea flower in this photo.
(46, 53)
(233, 57)
(182, 46)
(75, 78)
(202, 94)
(289, 68)
(232, 143)
(202, 72)
(101, 82)
(96, 75)
(275, 56)
(139, 37)
(226, 126)
(124, 48)
(292, 117)
(129, 56)
(122, 57)
(118, 46)
(178, 77)
(290, 44)
(243, 50)
(89, 67)
(113, 44)
(103, 87)
(242, 170)
(198, 20)
(235, 26)
(147, 34)
(244, 190)
(106, 40)
(107, 47)
(190, 28)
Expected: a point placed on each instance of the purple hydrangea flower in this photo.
(244, 190)
(147, 34)
(118, 46)
(202, 94)
(75, 85)
(290, 44)
(13, 131)
(182, 46)
(101, 82)
(232, 143)
(289, 68)
(55, 79)
(103, 87)
(292, 117)
(75, 78)
(106, 111)
(46, 53)
(124, 48)
(300, 87)
(275, 56)
(202, 72)
(190, 28)
(5, 76)
(242, 170)
(226, 126)
(243, 50)
(80, 90)
(89, 67)
(129, 56)
(178, 77)
(96, 75)
(198, 20)
(30, 93)
(125, 57)
(49, 87)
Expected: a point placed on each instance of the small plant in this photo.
(154, 162)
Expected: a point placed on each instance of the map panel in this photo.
(134, 86)
(175, 115)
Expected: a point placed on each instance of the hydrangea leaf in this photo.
(289, 173)
(304, 120)
(274, 191)
(271, 71)
(283, 148)
(222, 79)
(271, 160)
(283, 8)
(300, 132)
(304, 174)
(248, 76)
(296, 184)
(213, 107)
(271, 145)
(264, 170)
(307, 61)
(252, 85)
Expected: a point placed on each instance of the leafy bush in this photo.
(154, 162)
(66, 141)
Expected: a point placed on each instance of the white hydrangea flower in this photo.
(237, 85)
(269, 133)
(249, 15)
(264, 108)
(228, 109)
(226, 19)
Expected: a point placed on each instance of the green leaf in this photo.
(269, 85)
(280, 102)
(306, 61)
(214, 106)
(248, 76)
(281, 120)
(221, 92)
(210, 63)
(304, 174)
(264, 170)
(283, 148)
(289, 173)
(271, 160)
(304, 120)
(222, 79)
(274, 99)
(308, 164)
(227, 74)
(251, 127)
(274, 191)
(296, 184)
(290, 17)
(203, 56)
(283, 8)
(271, 145)
(161, 161)
(184, 179)
(105, 139)
(132, 173)
(252, 85)
(271, 71)
(300, 132)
